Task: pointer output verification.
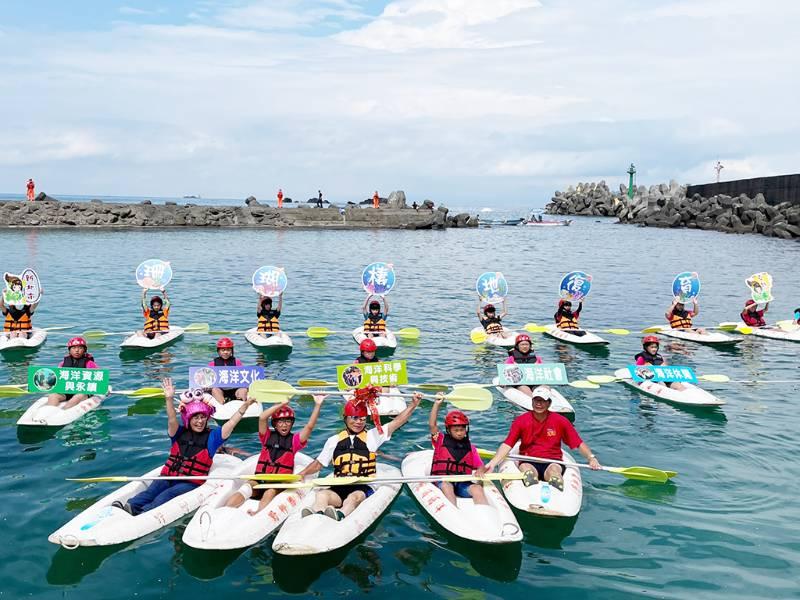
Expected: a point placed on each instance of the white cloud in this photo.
(24, 147)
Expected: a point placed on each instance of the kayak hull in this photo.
(386, 342)
(318, 534)
(218, 527)
(559, 405)
(691, 396)
(9, 344)
(709, 339)
(776, 333)
(41, 415)
(104, 525)
(276, 341)
(494, 523)
(504, 340)
(589, 339)
(142, 342)
(542, 498)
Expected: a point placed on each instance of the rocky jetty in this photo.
(49, 212)
(666, 205)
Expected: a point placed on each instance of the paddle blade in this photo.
(12, 390)
(744, 329)
(318, 332)
(315, 383)
(601, 378)
(728, 326)
(715, 377)
(653, 329)
(642, 473)
(271, 390)
(470, 398)
(196, 328)
(534, 328)
(478, 337)
(787, 325)
(583, 384)
(408, 333)
(94, 333)
(145, 391)
(483, 453)
(617, 331)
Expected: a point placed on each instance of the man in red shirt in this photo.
(540, 434)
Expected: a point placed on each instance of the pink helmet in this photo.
(77, 341)
(194, 405)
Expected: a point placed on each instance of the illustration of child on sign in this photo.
(760, 287)
(14, 292)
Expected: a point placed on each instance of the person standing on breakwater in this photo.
(31, 189)
(376, 200)
(319, 198)
(280, 198)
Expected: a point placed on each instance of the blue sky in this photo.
(481, 102)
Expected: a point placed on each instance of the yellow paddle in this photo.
(639, 473)
(526, 478)
(428, 387)
(98, 333)
(127, 478)
(653, 329)
(407, 333)
(271, 391)
(13, 390)
(534, 328)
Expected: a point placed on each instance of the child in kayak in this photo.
(680, 318)
(352, 453)
(454, 454)
(650, 356)
(491, 321)
(193, 448)
(18, 322)
(225, 358)
(156, 316)
(278, 449)
(522, 353)
(566, 319)
(77, 358)
(374, 317)
(268, 323)
(751, 316)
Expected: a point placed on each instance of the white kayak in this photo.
(710, 338)
(218, 527)
(387, 341)
(775, 333)
(275, 341)
(504, 340)
(223, 412)
(492, 523)
(37, 338)
(588, 339)
(104, 525)
(690, 396)
(389, 405)
(142, 341)
(559, 405)
(317, 534)
(543, 498)
(42, 415)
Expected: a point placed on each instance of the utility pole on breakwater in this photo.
(631, 172)
(718, 167)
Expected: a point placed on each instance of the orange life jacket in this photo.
(157, 322)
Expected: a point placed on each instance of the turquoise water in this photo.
(728, 525)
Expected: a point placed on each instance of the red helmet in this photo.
(456, 417)
(368, 345)
(224, 343)
(650, 339)
(354, 409)
(750, 302)
(284, 412)
(522, 337)
(488, 307)
(77, 341)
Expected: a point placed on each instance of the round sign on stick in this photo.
(686, 286)
(575, 286)
(378, 278)
(153, 274)
(270, 281)
(492, 287)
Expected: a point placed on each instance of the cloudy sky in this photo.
(479, 102)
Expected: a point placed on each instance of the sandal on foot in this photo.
(333, 513)
(557, 482)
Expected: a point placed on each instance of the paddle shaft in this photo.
(389, 480)
(125, 478)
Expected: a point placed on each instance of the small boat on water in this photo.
(557, 223)
(506, 222)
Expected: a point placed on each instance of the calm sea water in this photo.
(727, 526)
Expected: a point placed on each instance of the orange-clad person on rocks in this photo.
(31, 189)
(280, 198)
(376, 200)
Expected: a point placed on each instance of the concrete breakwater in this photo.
(49, 212)
(667, 205)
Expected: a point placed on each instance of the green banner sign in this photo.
(385, 374)
(63, 380)
(526, 374)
